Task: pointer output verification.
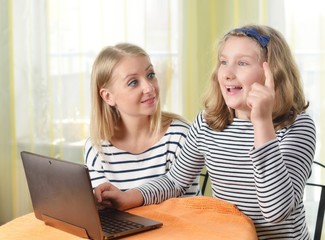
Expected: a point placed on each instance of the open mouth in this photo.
(233, 88)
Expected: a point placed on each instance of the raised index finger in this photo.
(269, 81)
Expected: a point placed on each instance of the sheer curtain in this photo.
(47, 50)
(305, 31)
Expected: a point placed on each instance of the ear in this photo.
(107, 97)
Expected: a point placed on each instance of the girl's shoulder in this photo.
(91, 146)
(304, 116)
(174, 121)
(200, 119)
(179, 122)
(179, 126)
(303, 122)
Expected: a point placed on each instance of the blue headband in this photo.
(252, 32)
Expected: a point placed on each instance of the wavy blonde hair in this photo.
(104, 118)
(289, 96)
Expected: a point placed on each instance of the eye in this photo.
(242, 63)
(151, 75)
(223, 62)
(133, 83)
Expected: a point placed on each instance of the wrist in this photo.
(263, 132)
(133, 198)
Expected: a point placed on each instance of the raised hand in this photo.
(261, 101)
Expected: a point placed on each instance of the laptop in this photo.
(62, 197)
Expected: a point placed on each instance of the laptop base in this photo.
(64, 226)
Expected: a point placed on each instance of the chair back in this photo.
(321, 207)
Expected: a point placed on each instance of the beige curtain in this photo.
(202, 23)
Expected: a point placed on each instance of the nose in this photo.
(228, 73)
(148, 87)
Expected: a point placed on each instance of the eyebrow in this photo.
(150, 65)
(239, 56)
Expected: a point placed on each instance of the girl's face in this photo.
(134, 89)
(240, 67)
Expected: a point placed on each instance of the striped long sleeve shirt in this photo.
(265, 183)
(126, 170)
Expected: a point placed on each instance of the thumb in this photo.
(98, 194)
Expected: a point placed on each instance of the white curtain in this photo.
(305, 31)
(55, 43)
(47, 51)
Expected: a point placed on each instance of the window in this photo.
(58, 48)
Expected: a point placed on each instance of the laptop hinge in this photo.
(64, 226)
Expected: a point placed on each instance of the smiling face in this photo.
(240, 67)
(134, 90)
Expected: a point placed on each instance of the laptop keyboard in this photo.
(114, 225)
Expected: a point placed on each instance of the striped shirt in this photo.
(265, 183)
(126, 170)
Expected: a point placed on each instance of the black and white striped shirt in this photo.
(127, 170)
(266, 183)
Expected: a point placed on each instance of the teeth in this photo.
(233, 87)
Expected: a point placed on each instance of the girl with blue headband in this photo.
(253, 135)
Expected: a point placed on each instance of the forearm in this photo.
(281, 168)
(263, 132)
(110, 196)
(133, 198)
(159, 190)
(275, 191)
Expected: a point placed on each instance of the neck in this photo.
(242, 115)
(134, 128)
(135, 136)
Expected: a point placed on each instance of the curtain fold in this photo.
(203, 23)
(46, 53)
(199, 30)
(7, 114)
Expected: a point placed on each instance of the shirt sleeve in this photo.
(282, 167)
(93, 161)
(183, 173)
(182, 130)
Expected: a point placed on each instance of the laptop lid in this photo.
(62, 196)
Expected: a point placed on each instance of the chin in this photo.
(232, 105)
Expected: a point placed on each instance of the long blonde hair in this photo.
(104, 118)
(289, 95)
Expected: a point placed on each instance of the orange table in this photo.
(183, 218)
